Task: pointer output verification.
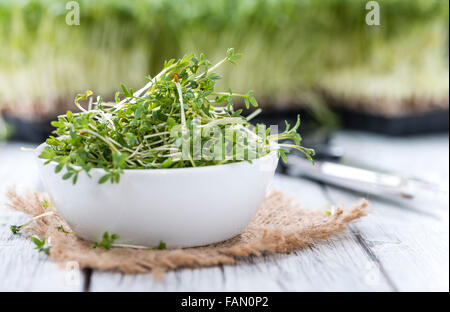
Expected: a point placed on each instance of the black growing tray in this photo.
(411, 124)
(422, 123)
(24, 130)
(36, 131)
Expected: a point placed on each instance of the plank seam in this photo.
(354, 231)
(362, 242)
(87, 274)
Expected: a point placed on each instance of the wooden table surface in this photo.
(398, 247)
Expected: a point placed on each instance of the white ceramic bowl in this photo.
(183, 207)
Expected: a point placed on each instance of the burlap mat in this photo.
(279, 227)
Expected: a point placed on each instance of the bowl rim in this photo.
(254, 162)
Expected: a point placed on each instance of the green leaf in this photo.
(104, 178)
(59, 167)
(106, 242)
(247, 103)
(161, 246)
(45, 204)
(40, 244)
(75, 178)
(125, 91)
(69, 115)
(116, 97)
(167, 163)
(61, 229)
(67, 175)
(15, 229)
(37, 241)
(253, 101)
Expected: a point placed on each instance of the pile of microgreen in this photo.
(136, 132)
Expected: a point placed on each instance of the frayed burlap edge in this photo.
(279, 227)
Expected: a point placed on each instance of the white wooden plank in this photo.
(23, 268)
(413, 249)
(17, 169)
(339, 264)
(410, 242)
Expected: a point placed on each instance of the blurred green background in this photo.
(296, 53)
